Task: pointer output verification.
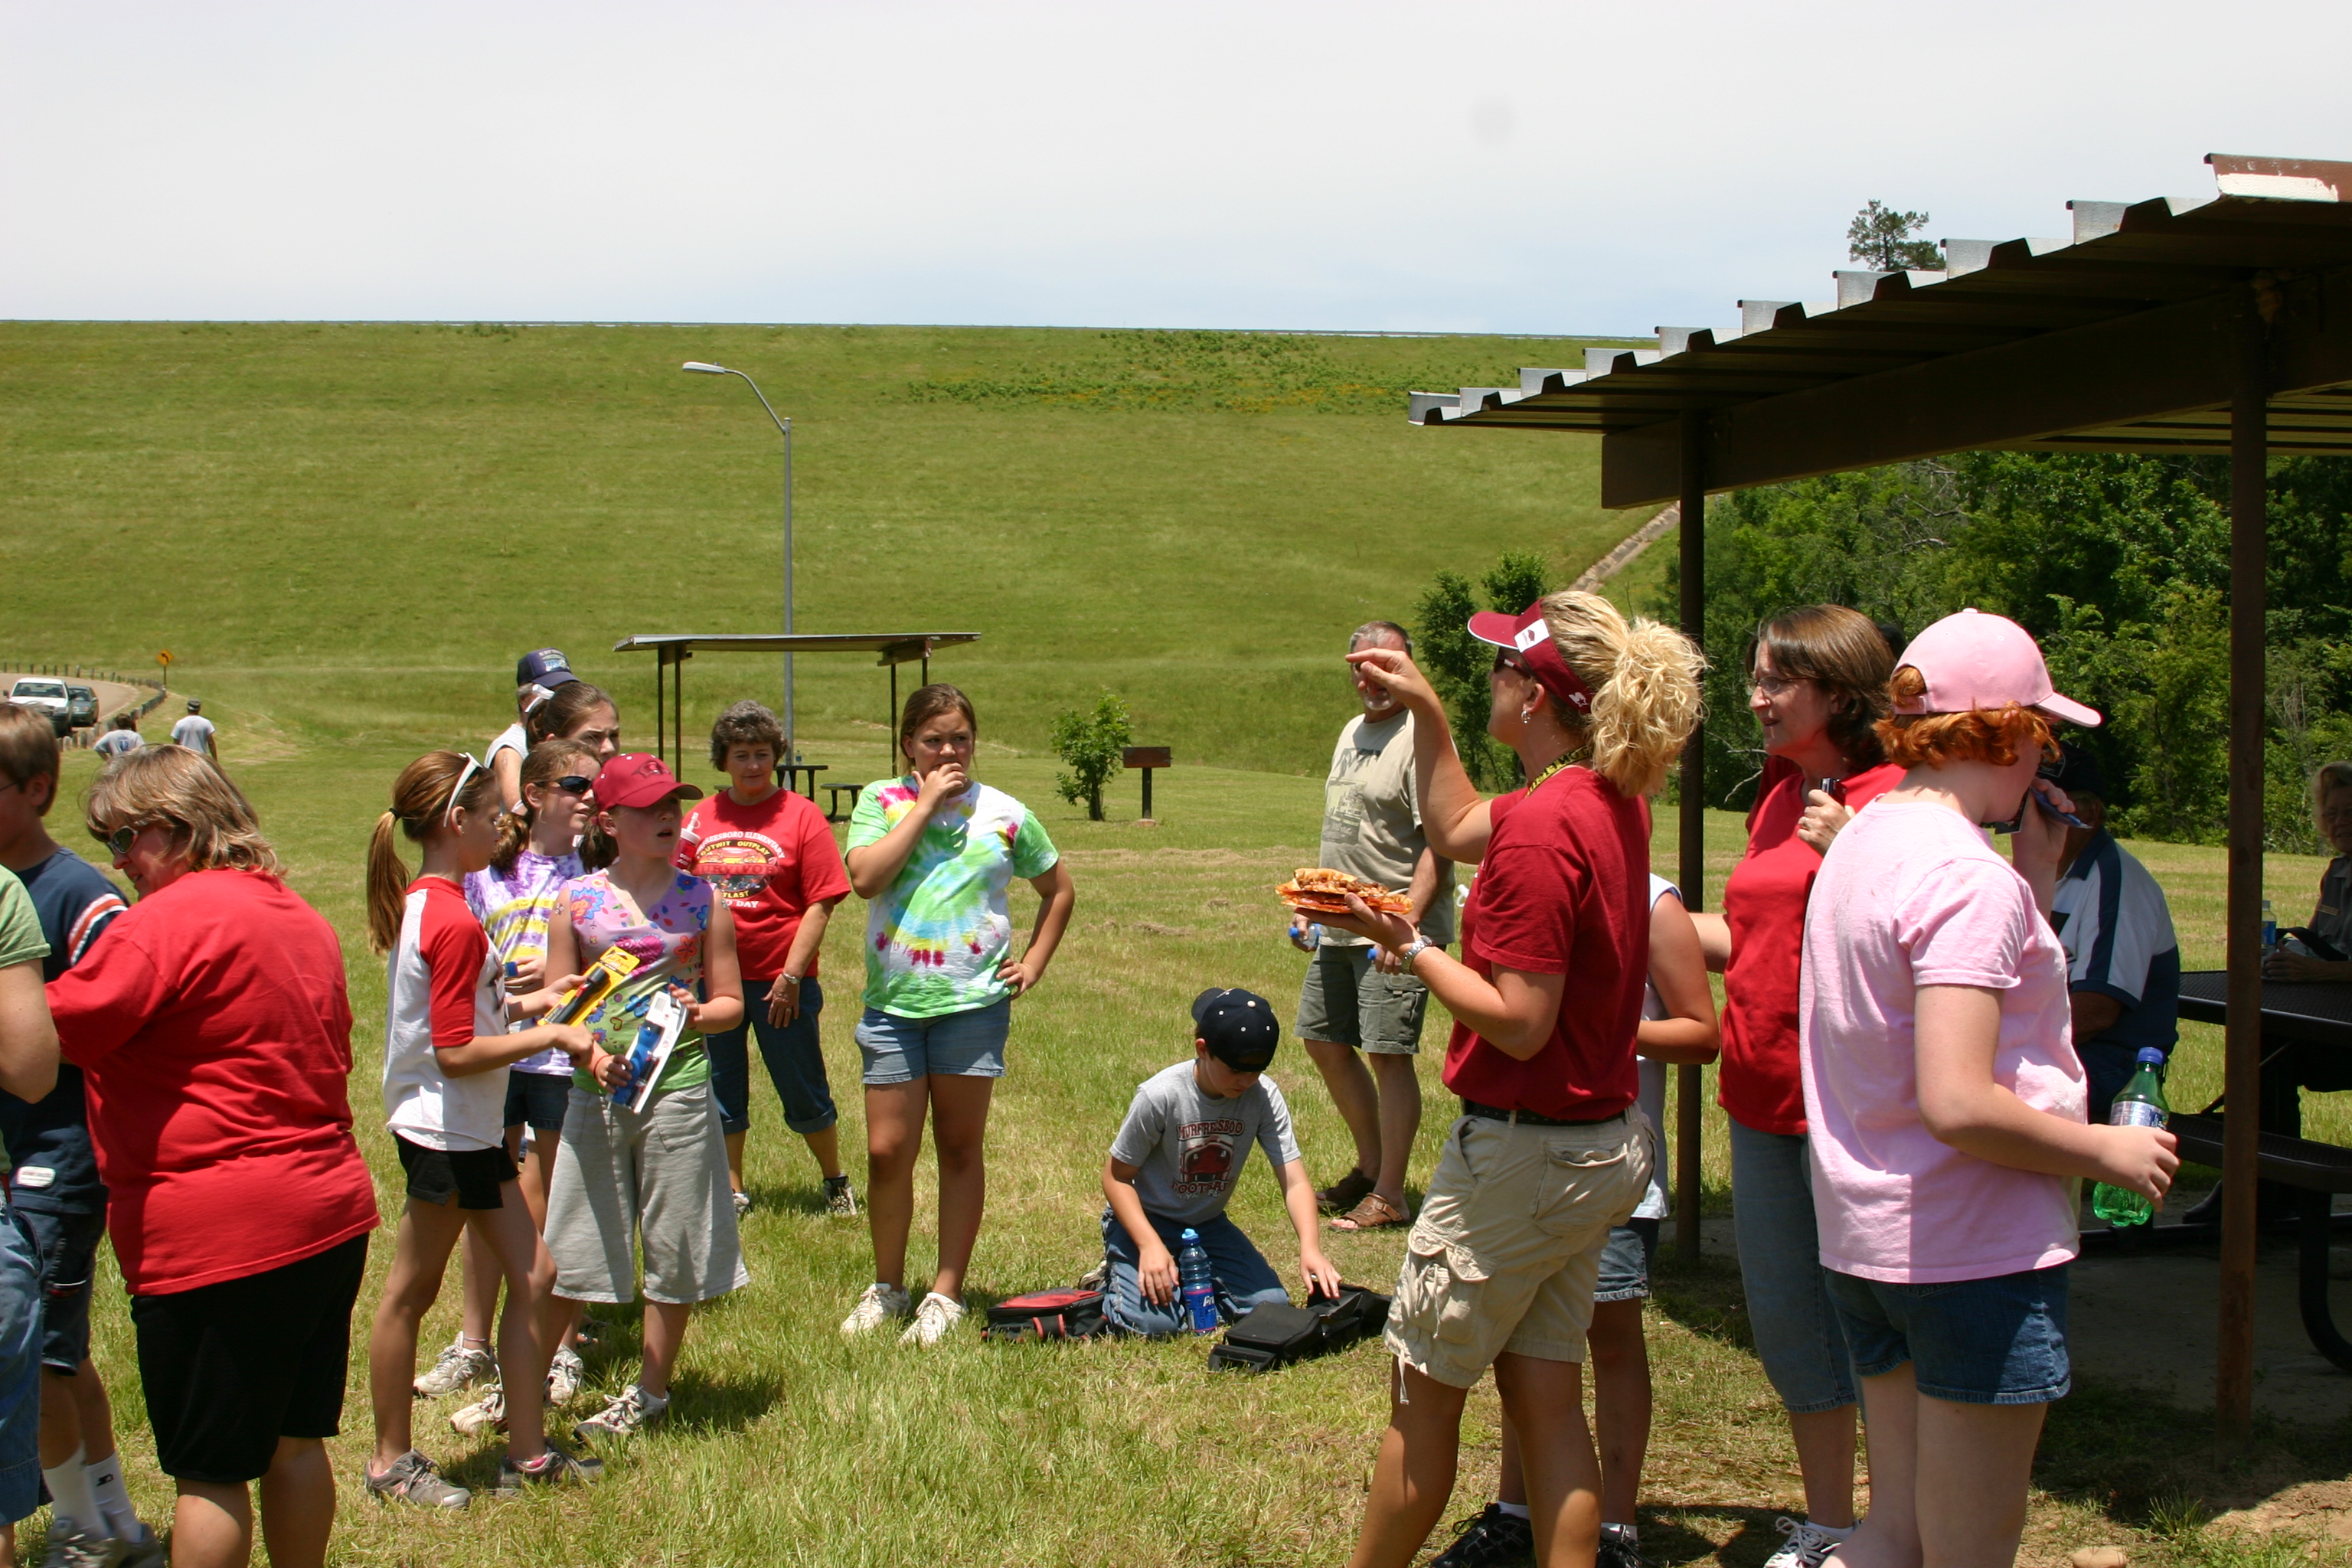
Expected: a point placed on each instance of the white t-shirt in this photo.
(114, 742)
(195, 733)
(510, 739)
(1658, 1202)
(441, 988)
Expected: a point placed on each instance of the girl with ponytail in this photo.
(447, 1049)
(1597, 707)
(513, 896)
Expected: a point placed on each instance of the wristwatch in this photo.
(1412, 950)
(791, 980)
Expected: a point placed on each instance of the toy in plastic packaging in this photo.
(650, 1052)
(595, 987)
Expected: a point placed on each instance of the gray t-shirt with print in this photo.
(1371, 820)
(1188, 1148)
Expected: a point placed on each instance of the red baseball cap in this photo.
(1975, 660)
(639, 779)
(1528, 634)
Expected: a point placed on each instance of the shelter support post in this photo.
(661, 681)
(2233, 1381)
(890, 721)
(1691, 878)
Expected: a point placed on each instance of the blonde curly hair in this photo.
(1644, 677)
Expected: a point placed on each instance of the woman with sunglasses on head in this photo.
(1817, 688)
(1551, 1151)
(513, 896)
(650, 1175)
(214, 1029)
(1946, 1102)
(934, 853)
(447, 1049)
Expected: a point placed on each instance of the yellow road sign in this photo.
(164, 658)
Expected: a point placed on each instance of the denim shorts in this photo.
(68, 1250)
(1625, 1262)
(20, 1368)
(2001, 1341)
(953, 1045)
(536, 1099)
(1797, 1333)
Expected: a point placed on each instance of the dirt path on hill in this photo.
(1632, 545)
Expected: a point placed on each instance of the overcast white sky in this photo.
(1560, 167)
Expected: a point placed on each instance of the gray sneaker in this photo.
(413, 1479)
(631, 1411)
(458, 1367)
(143, 1550)
(840, 1202)
(80, 1549)
(551, 1469)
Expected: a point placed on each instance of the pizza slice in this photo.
(1316, 889)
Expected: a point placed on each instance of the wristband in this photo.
(1413, 949)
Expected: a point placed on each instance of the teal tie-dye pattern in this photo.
(936, 938)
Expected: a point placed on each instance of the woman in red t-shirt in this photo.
(1817, 685)
(216, 1031)
(1549, 1152)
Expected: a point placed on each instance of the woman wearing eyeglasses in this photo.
(1817, 685)
(216, 1031)
(514, 897)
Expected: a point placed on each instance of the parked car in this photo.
(45, 697)
(81, 706)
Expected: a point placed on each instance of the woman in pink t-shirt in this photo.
(1945, 1102)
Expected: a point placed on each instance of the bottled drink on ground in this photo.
(1195, 1285)
(2140, 1103)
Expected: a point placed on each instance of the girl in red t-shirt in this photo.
(1500, 1266)
(447, 1051)
(1817, 685)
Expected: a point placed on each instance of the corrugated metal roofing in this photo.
(2272, 221)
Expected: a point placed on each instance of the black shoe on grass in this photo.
(1491, 1538)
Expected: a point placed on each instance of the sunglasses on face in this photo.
(573, 784)
(1504, 661)
(120, 840)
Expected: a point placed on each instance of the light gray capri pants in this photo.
(661, 1173)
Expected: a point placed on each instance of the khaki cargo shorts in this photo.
(1506, 1252)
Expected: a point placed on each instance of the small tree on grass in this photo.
(1880, 238)
(1090, 744)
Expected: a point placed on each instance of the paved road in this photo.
(113, 696)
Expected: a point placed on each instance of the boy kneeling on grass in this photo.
(1173, 1164)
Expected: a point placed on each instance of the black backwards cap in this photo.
(1238, 1027)
(2075, 769)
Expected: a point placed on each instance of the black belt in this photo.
(1529, 1118)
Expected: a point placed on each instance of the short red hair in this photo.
(1992, 735)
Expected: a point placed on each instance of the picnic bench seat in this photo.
(832, 812)
(2317, 1172)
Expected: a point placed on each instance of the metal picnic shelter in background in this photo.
(2216, 324)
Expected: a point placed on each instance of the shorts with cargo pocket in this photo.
(1506, 1252)
(1346, 999)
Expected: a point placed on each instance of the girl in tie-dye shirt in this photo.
(934, 854)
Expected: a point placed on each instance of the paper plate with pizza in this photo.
(1317, 890)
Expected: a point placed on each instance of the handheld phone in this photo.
(2038, 798)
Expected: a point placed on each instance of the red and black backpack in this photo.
(1069, 1313)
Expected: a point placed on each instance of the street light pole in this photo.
(784, 428)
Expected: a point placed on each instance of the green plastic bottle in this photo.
(2140, 1103)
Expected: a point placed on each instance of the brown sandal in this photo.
(1344, 1193)
(1375, 1212)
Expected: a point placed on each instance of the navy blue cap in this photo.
(546, 667)
(1238, 1027)
(2075, 771)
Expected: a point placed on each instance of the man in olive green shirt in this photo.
(1354, 999)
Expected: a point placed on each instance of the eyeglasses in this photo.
(473, 766)
(1773, 685)
(123, 838)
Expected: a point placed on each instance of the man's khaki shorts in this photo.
(1506, 1252)
(1346, 999)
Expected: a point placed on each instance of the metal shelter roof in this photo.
(895, 647)
(2118, 338)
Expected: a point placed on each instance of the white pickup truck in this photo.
(44, 696)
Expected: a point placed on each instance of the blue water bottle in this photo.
(1193, 1282)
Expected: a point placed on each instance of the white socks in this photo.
(114, 1497)
(75, 1506)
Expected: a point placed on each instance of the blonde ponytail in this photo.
(1645, 677)
(387, 884)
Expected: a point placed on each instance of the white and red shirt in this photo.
(442, 990)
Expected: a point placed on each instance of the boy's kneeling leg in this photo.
(1126, 1310)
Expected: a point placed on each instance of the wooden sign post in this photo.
(1145, 758)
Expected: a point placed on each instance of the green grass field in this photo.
(347, 534)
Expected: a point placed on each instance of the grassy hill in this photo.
(347, 527)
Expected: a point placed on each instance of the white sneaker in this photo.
(487, 1414)
(564, 1378)
(1809, 1544)
(876, 1307)
(457, 1367)
(933, 1318)
(742, 1205)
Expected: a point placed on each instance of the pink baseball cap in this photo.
(1975, 660)
(639, 779)
(1528, 634)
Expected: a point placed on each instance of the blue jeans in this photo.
(795, 1063)
(1997, 1341)
(1244, 1280)
(1797, 1337)
(20, 1369)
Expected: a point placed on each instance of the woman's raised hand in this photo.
(940, 785)
(1824, 815)
(1394, 668)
